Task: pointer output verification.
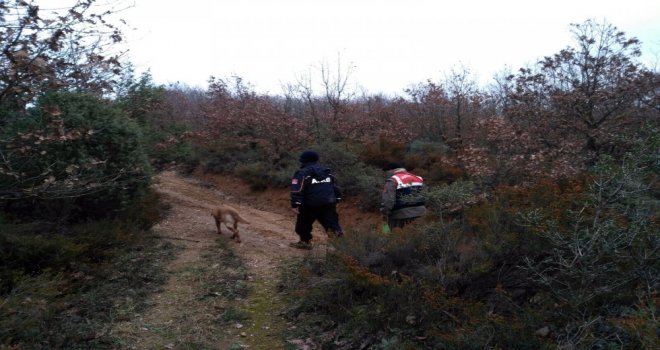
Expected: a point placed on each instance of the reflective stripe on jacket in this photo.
(313, 185)
(408, 190)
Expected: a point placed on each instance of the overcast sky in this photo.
(391, 44)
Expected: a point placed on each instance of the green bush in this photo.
(147, 104)
(441, 200)
(31, 249)
(61, 290)
(353, 176)
(74, 157)
(224, 159)
(254, 174)
(597, 269)
(75, 309)
(261, 175)
(166, 146)
(420, 288)
(558, 264)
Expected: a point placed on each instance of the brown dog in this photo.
(230, 217)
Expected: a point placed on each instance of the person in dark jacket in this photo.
(402, 199)
(314, 197)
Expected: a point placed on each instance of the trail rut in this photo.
(264, 247)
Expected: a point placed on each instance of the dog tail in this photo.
(241, 219)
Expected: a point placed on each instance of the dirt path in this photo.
(189, 312)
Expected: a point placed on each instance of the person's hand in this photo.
(295, 211)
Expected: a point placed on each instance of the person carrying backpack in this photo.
(314, 196)
(402, 198)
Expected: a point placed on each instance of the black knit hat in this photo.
(309, 157)
(392, 166)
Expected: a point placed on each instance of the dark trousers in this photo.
(325, 214)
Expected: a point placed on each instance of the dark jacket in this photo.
(313, 185)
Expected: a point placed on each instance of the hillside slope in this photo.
(202, 305)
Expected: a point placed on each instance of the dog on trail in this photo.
(229, 216)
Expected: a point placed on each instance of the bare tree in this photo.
(430, 106)
(592, 92)
(305, 89)
(50, 49)
(461, 89)
(336, 92)
(499, 91)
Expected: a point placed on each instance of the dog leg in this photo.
(217, 224)
(235, 231)
(238, 237)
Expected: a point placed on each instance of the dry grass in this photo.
(197, 308)
(78, 310)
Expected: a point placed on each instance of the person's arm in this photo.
(297, 189)
(336, 188)
(388, 198)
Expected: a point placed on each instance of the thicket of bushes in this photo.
(161, 114)
(76, 209)
(543, 194)
(63, 290)
(569, 265)
(74, 157)
(77, 146)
